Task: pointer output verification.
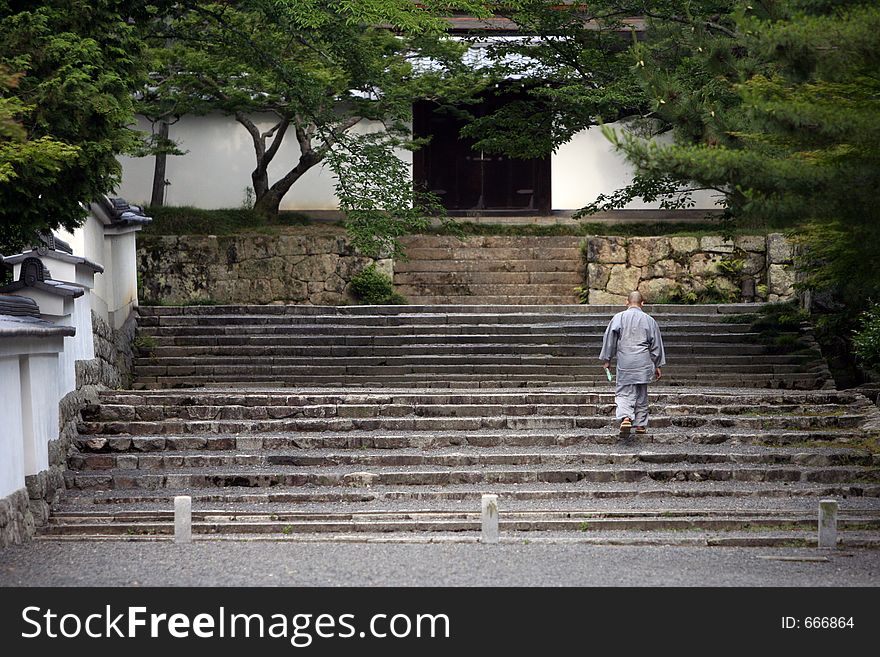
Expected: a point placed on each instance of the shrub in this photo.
(866, 339)
(685, 294)
(373, 287)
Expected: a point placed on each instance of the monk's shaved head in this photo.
(634, 299)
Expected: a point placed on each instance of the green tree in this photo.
(69, 69)
(318, 69)
(795, 137)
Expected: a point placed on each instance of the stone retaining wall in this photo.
(309, 266)
(709, 268)
(16, 520)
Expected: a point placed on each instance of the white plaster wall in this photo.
(39, 409)
(78, 347)
(88, 241)
(11, 452)
(216, 169)
(122, 275)
(588, 166)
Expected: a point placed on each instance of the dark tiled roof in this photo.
(49, 241)
(35, 275)
(121, 212)
(26, 327)
(11, 304)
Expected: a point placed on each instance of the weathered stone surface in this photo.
(597, 275)
(360, 479)
(644, 251)
(716, 244)
(684, 245)
(311, 266)
(655, 288)
(754, 243)
(605, 298)
(780, 279)
(663, 269)
(623, 279)
(16, 518)
(778, 249)
(754, 263)
(704, 264)
(609, 250)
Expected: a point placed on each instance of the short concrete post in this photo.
(183, 519)
(828, 523)
(490, 519)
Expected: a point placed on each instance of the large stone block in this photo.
(597, 275)
(754, 263)
(601, 297)
(753, 243)
(778, 249)
(623, 279)
(644, 251)
(780, 280)
(704, 264)
(655, 288)
(684, 245)
(716, 244)
(607, 250)
(663, 269)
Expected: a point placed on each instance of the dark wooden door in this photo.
(468, 180)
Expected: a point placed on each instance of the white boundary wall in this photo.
(38, 365)
(216, 169)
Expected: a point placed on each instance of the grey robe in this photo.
(634, 338)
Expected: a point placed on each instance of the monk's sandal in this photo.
(641, 429)
(625, 425)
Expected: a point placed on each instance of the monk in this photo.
(633, 339)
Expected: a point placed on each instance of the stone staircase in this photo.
(365, 424)
(490, 270)
(448, 346)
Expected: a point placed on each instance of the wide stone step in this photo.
(708, 356)
(766, 538)
(428, 381)
(524, 279)
(579, 395)
(539, 369)
(390, 440)
(585, 329)
(574, 265)
(597, 494)
(366, 366)
(225, 426)
(216, 524)
(561, 337)
(255, 477)
(446, 458)
(231, 411)
(447, 309)
(492, 241)
(512, 252)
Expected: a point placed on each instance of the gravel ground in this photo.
(78, 563)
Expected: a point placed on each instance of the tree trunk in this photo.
(260, 178)
(268, 204)
(158, 195)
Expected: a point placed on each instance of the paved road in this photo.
(335, 564)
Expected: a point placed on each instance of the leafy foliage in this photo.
(373, 287)
(867, 338)
(67, 74)
(321, 71)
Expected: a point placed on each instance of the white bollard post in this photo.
(490, 519)
(183, 519)
(828, 523)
